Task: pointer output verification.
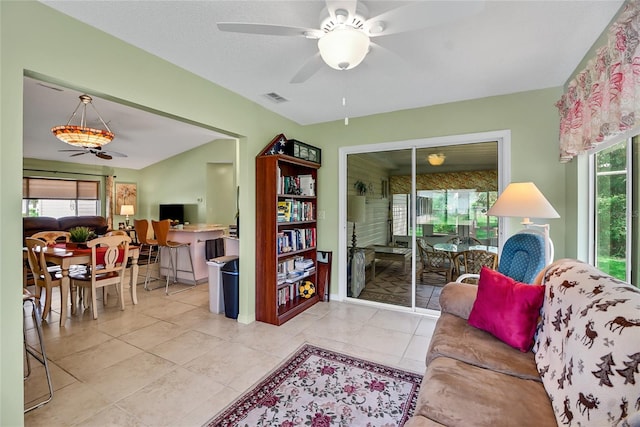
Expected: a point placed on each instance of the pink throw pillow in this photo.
(507, 309)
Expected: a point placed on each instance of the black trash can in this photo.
(231, 287)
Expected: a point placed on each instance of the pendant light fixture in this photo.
(83, 136)
(436, 159)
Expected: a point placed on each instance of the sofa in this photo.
(32, 225)
(582, 369)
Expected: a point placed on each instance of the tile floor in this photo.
(392, 285)
(168, 361)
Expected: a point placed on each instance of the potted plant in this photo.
(361, 188)
(80, 235)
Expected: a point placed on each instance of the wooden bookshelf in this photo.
(285, 231)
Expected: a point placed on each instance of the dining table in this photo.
(66, 256)
(456, 250)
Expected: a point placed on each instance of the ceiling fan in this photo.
(97, 151)
(346, 30)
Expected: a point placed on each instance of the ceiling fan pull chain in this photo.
(346, 117)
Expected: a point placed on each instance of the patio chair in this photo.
(472, 262)
(437, 262)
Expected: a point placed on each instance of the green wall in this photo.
(34, 39)
(37, 39)
(531, 117)
(183, 179)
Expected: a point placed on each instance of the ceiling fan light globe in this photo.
(343, 48)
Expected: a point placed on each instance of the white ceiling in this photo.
(506, 47)
(145, 138)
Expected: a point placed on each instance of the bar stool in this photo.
(161, 228)
(41, 357)
(142, 228)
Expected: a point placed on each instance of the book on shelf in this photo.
(295, 211)
(307, 185)
(295, 240)
(301, 185)
(284, 210)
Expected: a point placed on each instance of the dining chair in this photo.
(29, 350)
(109, 255)
(53, 237)
(438, 262)
(472, 262)
(148, 247)
(161, 229)
(116, 233)
(43, 276)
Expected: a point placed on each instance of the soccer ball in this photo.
(307, 289)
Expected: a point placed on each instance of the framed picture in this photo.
(126, 194)
(303, 151)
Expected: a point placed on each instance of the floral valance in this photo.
(603, 101)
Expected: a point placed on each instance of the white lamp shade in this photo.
(523, 199)
(356, 208)
(343, 48)
(126, 210)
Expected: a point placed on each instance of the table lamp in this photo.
(127, 210)
(523, 199)
(356, 212)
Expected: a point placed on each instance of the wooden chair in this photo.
(116, 233)
(107, 269)
(438, 262)
(53, 237)
(43, 276)
(472, 263)
(147, 247)
(161, 229)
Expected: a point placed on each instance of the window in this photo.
(448, 212)
(59, 197)
(611, 171)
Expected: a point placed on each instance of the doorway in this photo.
(409, 201)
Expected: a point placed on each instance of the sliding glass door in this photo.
(402, 210)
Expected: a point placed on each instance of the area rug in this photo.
(318, 387)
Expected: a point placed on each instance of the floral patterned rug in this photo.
(321, 388)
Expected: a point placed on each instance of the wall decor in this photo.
(126, 194)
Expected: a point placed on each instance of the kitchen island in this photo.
(196, 236)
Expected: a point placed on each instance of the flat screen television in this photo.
(173, 212)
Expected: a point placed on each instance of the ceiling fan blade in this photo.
(78, 154)
(421, 14)
(348, 5)
(72, 150)
(103, 156)
(309, 68)
(268, 29)
(115, 154)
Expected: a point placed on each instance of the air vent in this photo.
(274, 97)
